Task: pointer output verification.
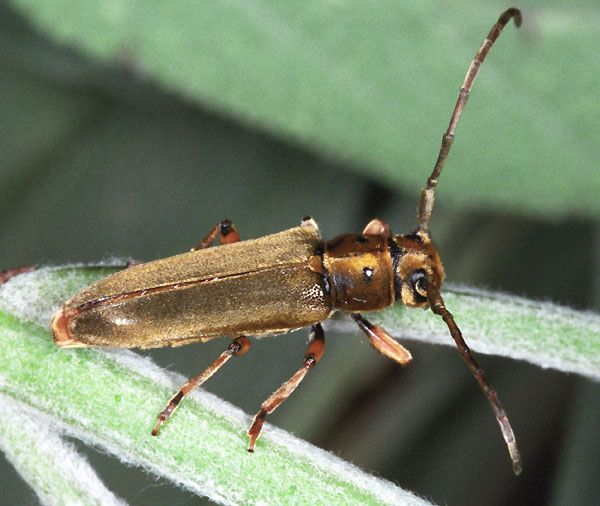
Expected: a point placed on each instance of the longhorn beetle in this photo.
(275, 284)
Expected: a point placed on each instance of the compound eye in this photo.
(419, 283)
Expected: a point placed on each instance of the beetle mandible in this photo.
(275, 284)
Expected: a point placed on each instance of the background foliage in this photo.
(129, 128)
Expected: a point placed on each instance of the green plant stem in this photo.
(110, 399)
(51, 466)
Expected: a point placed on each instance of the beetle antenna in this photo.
(436, 303)
(428, 193)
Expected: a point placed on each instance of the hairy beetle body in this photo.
(278, 283)
(255, 287)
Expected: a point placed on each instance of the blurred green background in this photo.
(129, 128)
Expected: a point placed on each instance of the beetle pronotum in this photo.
(275, 284)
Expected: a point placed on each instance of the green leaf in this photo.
(370, 82)
(110, 399)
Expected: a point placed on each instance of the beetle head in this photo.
(417, 266)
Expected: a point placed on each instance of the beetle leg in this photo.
(382, 341)
(311, 357)
(225, 229)
(11, 273)
(377, 227)
(237, 347)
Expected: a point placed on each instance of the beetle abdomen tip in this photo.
(60, 330)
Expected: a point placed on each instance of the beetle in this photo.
(278, 283)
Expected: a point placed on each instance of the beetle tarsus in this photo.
(239, 346)
(377, 227)
(255, 428)
(7, 274)
(382, 341)
(166, 413)
(227, 230)
(311, 357)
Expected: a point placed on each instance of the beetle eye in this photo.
(420, 287)
(419, 282)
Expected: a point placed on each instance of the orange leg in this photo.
(225, 229)
(311, 357)
(377, 227)
(238, 347)
(382, 341)
(11, 273)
